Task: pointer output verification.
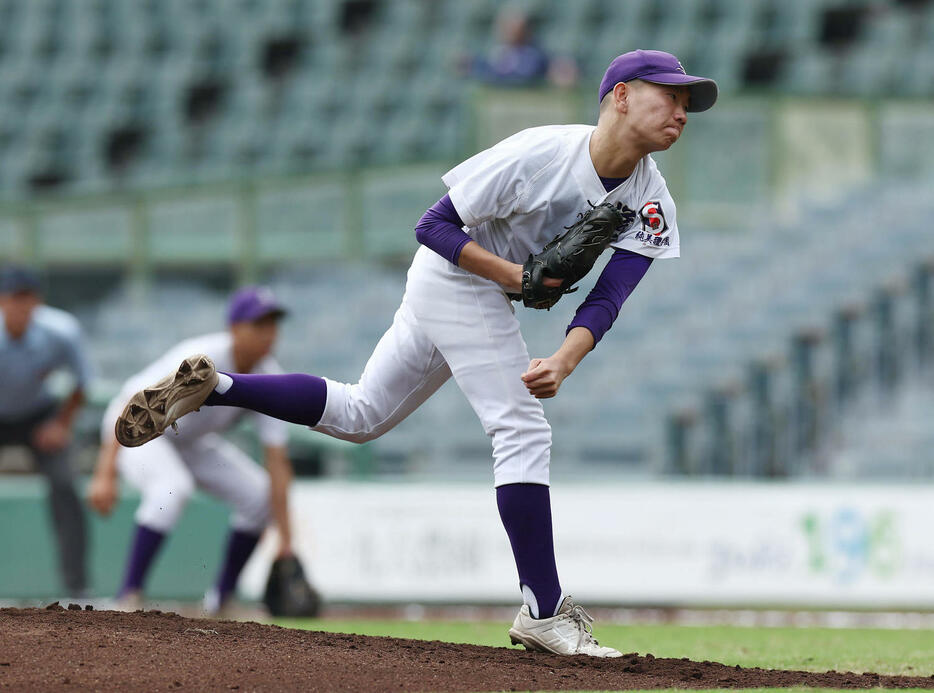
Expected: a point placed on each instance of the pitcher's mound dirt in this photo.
(61, 649)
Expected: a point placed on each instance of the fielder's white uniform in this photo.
(168, 469)
(513, 198)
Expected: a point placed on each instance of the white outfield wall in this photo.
(641, 543)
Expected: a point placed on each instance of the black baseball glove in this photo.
(288, 592)
(572, 254)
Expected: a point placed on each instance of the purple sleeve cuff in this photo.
(618, 280)
(441, 229)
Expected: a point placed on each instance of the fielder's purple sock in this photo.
(240, 545)
(294, 397)
(525, 510)
(146, 543)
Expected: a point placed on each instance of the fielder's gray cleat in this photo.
(566, 633)
(152, 410)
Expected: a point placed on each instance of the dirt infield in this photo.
(59, 649)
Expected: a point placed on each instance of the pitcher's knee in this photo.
(352, 416)
(522, 455)
(364, 435)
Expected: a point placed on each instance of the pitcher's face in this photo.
(658, 113)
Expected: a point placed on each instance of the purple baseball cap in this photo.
(252, 303)
(659, 67)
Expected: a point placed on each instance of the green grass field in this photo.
(908, 652)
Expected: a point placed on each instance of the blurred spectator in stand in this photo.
(36, 340)
(516, 59)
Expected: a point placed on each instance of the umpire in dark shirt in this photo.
(36, 340)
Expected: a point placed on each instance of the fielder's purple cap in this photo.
(252, 303)
(659, 67)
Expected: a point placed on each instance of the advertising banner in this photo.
(728, 544)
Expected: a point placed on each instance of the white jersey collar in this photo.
(589, 180)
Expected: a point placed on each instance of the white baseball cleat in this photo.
(153, 409)
(569, 632)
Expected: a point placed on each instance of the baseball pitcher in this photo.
(526, 219)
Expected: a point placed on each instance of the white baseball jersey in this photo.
(516, 196)
(513, 198)
(219, 347)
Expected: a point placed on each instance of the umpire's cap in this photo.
(18, 279)
(659, 67)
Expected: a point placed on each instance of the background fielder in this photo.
(168, 471)
(456, 318)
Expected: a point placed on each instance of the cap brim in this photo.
(14, 289)
(277, 313)
(703, 91)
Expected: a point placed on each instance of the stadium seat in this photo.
(147, 55)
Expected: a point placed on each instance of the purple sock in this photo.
(146, 543)
(295, 397)
(240, 545)
(525, 510)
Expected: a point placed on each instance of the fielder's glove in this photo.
(572, 254)
(288, 592)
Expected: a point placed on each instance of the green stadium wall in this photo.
(184, 569)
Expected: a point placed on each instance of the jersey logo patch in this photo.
(653, 218)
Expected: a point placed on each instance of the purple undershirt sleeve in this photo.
(441, 229)
(617, 281)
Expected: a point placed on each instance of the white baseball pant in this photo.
(167, 475)
(450, 322)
